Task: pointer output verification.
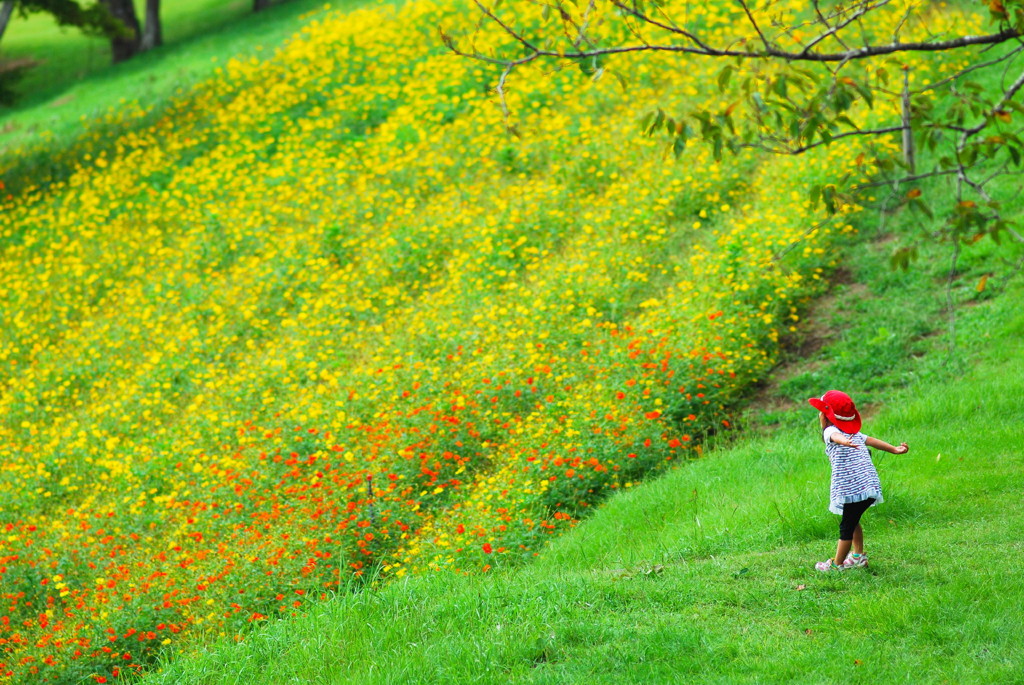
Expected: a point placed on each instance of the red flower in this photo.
(487, 548)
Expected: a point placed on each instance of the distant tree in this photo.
(92, 19)
(152, 33)
(6, 10)
(127, 42)
(260, 5)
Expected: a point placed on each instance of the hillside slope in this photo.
(318, 317)
(706, 574)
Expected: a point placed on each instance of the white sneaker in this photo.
(856, 560)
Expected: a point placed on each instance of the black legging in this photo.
(852, 511)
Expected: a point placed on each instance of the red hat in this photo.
(839, 409)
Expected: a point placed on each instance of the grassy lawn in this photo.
(707, 573)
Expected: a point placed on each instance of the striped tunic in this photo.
(854, 478)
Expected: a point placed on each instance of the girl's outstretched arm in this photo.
(882, 445)
(840, 439)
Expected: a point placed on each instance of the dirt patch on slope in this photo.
(800, 349)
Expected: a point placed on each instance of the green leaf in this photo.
(843, 119)
(969, 155)
(828, 194)
(815, 195)
(779, 87)
(996, 230)
(645, 122)
(653, 121)
(1014, 154)
(864, 93)
(658, 120)
(589, 65)
(902, 258)
(679, 145)
(724, 76)
(623, 81)
(842, 99)
(920, 205)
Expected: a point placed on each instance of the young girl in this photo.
(855, 485)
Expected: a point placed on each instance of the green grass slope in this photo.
(707, 573)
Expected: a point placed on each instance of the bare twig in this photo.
(824, 22)
(582, 33)
(697, 46)
(670, 27)
(506, 28)
(902, 22)
(998, 107)
(833, 29)
(753, 22)
(908, 134)
(845, 134)
(966, 70)
(903, 179)
(950, 305)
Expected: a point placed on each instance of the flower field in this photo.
(323, 322)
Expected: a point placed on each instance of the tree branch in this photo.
(998, 107)
(753, 22)
(811, 146)
(832, 30)
(966, 70)
(671, 28)
(896, 182)
(866, 52)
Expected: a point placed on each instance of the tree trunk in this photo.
(5, 15)
(152, 34)
(260, 5)
(908, 134)
(126, 45)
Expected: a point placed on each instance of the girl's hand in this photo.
(841, 439)
(886, 447)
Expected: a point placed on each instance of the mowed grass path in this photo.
(707, 573)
